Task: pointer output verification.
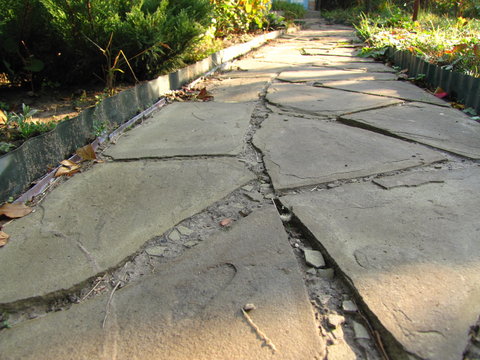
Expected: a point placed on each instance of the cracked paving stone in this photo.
(443, 128)
(353, 65)
(398, 89)
(419, 245)
(302, 152)
(236, 90)
(190, 308)
(123, 205)
(320, 75)
(186, 129)
(321, 101)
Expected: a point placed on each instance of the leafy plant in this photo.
(290, 10)
(6, 147)
(23, 124)
(239, 16)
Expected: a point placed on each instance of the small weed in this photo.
(4, 324)
(5, 147)
(100, 127)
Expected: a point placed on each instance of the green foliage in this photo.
(290, 10)
(27, 44)
(22, 123)
(450, 42)
(149, 33)
(239, 16)
(63, 40)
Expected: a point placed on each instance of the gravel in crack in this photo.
(343, 326)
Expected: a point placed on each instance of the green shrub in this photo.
(239, 16)
(27, 44)
(291, 11)
(151, 34)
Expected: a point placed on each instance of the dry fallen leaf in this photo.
(87, 152)
(3, 238)
(440, 93)
(204, 95)
(226, 222)
(68, 163)
(3, 117)
(15, 211)
(68, 168)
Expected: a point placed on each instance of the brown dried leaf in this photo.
(3, 117)
(204, 95)
(15, 211)
(226, 222)
(87, 152)
(3, 238)
(69, 171)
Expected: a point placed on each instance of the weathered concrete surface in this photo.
(183, 129)
(446, 129)
(412, 179)
(236, 89)
(117, 206)
(398, 89)
(327, 74)
(353, 65)
(247, 68)
(191, 309)
(330, 60)
(321, 101)
(334, 50)
(300, 152)
(411, 253)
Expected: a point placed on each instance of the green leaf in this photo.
(34, 65)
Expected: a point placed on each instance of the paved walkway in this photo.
(128, 260)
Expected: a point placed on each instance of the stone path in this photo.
(316, 209)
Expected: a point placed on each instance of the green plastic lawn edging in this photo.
(464, 88)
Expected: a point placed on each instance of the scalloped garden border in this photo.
(464, 88)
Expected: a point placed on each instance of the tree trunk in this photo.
(416, 7)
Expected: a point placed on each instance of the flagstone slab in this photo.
(320, 75)
(330, 60)
(236, 90)
(411, 253)
(102, 216)
(187, 129)
(321, 101)
(398, 89)
(191, 307)
(301, 152)
(354, 65)
(332, 50)
(443, 128)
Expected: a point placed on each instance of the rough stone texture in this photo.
(335, 51)
(250, 66)
(411, 179)
(399, 89)
(237, 89)
(418, 245)
(71, 235)
(322, 101)
(314, 258)
(184, 129)
(191, 308)
(300, 152)
(331, 60)
(353, 65)
(446, 129)
(318, 74)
